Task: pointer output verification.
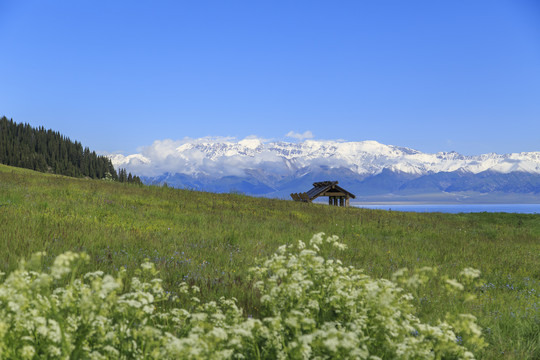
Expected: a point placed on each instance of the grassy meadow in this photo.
(210, 240)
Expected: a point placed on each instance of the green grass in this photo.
(211, 240)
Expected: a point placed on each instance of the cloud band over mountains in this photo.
(218, 157)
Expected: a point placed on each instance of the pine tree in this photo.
(45, 150)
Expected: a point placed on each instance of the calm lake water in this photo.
(460, 208)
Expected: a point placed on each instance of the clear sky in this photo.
(431, 75)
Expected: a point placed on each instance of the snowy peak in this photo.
(119, 159)
(218, 157)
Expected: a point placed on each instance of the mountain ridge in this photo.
(271, 168)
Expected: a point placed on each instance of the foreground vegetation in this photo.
(311, 307)
(211, 241)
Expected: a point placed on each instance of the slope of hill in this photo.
(48, 151)
(210, 240)
(275, 169)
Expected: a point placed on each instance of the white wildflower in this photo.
(13, 306)
(399, 273)
(147, 266)
(282, 249)
(62, 264)
(332, 344)
(340, 246)
(54, 351)
(131, 303)
(414, 281)
(93, 275)
(28, 352)
(108, 285)
(292, 322)
(218, 333)
(470, 273)
(307, 253)
(313, 304)
(332, 239)
(55, 333)
(111, 351)
(281, 272)
(454, 284)
(317, 239)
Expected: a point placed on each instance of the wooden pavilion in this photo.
(336, 194)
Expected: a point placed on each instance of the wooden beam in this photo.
(327, 193)
(339, 188)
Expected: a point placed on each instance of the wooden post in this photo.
(341, 201)
(347, 203)
(329, 200)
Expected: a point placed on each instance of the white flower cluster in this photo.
(312, 307)
(318, 308)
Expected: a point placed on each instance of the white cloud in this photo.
(208, 156)
(306, 135)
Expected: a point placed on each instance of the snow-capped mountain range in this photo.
(260, 167)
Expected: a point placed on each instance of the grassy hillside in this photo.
(211, 240)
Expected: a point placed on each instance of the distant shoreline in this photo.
(461, 198)
(382, 203)
(456, 208)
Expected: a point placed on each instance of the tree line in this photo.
(22, 145)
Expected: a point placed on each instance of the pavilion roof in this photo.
(323, 188)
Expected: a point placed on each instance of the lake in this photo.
(459, 208)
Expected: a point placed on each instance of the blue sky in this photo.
(431, 75)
